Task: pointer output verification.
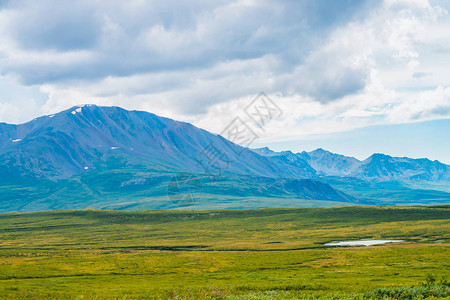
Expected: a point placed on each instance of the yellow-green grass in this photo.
(245, 254)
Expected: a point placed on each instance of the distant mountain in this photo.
(377, 166)
(330, 164)
(287, 158)
(385, 166)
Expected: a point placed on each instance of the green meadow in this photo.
(226, 254)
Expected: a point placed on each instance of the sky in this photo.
(354, 77)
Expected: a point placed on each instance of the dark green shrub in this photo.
(432, 287)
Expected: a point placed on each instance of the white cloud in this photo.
(203, 62)
(426, 105)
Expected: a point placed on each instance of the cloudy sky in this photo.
(354, 77)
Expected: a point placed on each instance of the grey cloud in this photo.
(347, 82)
(59, 25)
(125, 39)
(326, 76)
(3, 3)
(441, 110)
(192, 35)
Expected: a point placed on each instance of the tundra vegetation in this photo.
(226, 254)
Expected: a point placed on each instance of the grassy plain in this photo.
(227, 254)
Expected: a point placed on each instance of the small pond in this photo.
(363, 243)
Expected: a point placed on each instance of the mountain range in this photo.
(108, 157)
(377, 166)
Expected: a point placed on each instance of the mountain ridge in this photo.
(107, 157)
(75, 140)
(78, 137)
(378, 165)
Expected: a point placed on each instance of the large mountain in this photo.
(90, 156)
(79, 139)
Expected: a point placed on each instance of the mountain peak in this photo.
(264, 151)
(90, 106)
(320, 151)
(378, 157)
